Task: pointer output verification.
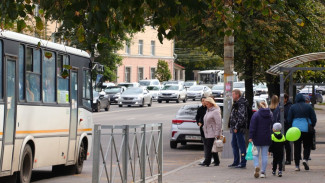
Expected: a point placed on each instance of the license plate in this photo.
(190, 137)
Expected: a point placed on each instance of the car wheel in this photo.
(141, 105)
(159, 101)
(26, 165)
(185, 99)
(173, 144)
(193, 99)
(120, 105)
(107, 108)
(178, 99)
(150, 104)
(167, 101)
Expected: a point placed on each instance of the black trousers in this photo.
(306, 140)
(277, 160)
(288, 150)
(208, 154)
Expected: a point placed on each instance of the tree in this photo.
(163, 72)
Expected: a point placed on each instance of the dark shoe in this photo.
(304, 162)
(216, 164)
(280, 174)
(232, 165)
(241, 166)
(287, 163)
(202, 164)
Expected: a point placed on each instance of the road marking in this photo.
(110, 112)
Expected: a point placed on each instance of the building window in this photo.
(127, 48)
(127, 74)
(140, 47)
(48, 77)
(153, 48)
(153, 73)
(140, 73)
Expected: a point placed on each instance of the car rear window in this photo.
(187, 112)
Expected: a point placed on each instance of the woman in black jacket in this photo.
(199, 120)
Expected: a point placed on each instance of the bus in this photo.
(213, 77)
(45, 117)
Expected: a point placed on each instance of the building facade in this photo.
(141, 56)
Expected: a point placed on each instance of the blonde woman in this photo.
(212, 129)
(274, 102)
(260, 134)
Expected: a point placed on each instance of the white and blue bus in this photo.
(213, 77)
(45, 119)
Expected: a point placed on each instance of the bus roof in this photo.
(46, 44)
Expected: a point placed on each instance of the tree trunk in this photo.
(249, 92)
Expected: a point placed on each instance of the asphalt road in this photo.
(158, 113)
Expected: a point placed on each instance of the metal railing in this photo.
(133, 153)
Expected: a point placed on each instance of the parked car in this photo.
(129, 85)
(100, 101)
(107, 84)
(188, 84)
(217, 90)
(150, 82)
(184, 127)
(154, 90)
(240, 86)
(172, 93)
(320, 90)
(114, 92)
(256, 103)
(198, 91)
(307, 91)
(260, 89)
(135, 96)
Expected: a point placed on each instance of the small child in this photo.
(277, 148)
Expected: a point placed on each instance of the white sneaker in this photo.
(304, 162)
(257, 172)
(262, 175)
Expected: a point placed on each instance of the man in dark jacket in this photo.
(299, 115)
(238, 124)
(276, 118)
(199, 120)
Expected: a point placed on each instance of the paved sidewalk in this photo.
(195, 173)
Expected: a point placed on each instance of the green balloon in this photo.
(293, 134)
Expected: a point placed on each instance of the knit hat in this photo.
(277, 126)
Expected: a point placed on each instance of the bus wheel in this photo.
(26, 165)
(81, 158)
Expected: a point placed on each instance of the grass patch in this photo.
(317, 109)
(321, 104)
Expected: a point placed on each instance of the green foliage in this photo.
(163, 72)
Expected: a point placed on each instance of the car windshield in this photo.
(152, 88)
(187, 112)
(172, 82)
(95, 94)
(126, 85)
(112, 90)
(195, 88)
(188, 83)
(133, 91)
(144, 83)
(239, 85)
(170, 87)
(262, 86)
(217, 87)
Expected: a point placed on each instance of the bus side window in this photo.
(48, 77)
(33, 74)
(63, 83)
(21, 72)
(86, 89)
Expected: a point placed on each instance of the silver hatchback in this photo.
(184, 127)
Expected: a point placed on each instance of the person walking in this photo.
(260, 134)
(212, 129)
(199, 120)
(274, 103)
(276, 148)
(238, 124)
(287, 125)
(301, 115)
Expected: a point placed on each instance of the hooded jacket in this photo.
(212, 123)
(277, 145)
(199, 117)
(261, 126)
(299, 112)
(276, 115)
(239, 116)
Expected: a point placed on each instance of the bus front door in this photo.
(73, 117)
(9, 114)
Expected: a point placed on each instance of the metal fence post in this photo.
(160, 153)
(125, 154)
(96, 153)
(143, 155)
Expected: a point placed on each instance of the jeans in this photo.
(238, 143)
(306, 139)
(208, 154)
(264, 151)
